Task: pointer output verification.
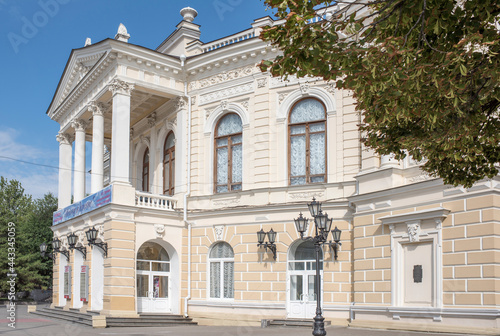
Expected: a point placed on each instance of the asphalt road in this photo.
(33, 325)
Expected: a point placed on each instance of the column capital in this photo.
(180, 103)
(64, 138)
(97, 108)
(79, 125)
(118, 86)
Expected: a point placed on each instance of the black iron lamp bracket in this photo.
(270, 246)
(48, 255)
(83, 250)
(103, 247)
(335, 247)
(64, 253)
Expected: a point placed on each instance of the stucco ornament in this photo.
(159, 230)
(413, 232)
(219, 232)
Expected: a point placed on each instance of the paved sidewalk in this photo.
(33, 325)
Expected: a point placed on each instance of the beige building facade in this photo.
(205, 150)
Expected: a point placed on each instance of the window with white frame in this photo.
(228, 154)
(307, 142)
(221, 268)
(169, 164)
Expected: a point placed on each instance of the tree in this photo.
(35, 228)
(425, 74)
(14, 205)
(32, 221)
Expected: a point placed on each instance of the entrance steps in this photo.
(72, 315)
(290, 323)
(144, 320)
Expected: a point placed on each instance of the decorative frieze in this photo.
(227, 75)
(306, 195)
(261, 83)
(225, 93)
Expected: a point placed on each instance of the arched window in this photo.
(169, 165)
(307, 142)
(228, 154)
(221, 265)
(145, 171)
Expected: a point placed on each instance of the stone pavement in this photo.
(32, 325)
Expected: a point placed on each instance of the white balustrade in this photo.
(244, 35)
(147, 200)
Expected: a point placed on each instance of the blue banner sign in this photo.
(90, 203)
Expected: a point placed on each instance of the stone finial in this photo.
(88, 42)
(188, 14)
(122, 34)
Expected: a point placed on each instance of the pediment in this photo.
(80, 62)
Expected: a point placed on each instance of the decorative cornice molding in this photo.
(261, 83)
(117, 86)
(225, 93)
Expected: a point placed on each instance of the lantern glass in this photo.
(56, 244)
(320, 220)
(261, 235)
(336, 234)
(301, 223)
(271, 235)
(328, 223)
(72, 240)
(314, 207)
(43, 247)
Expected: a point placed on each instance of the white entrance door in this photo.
(302, 289)
(153, 292)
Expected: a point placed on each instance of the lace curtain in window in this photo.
(307, 142)
(228, 153)
(221, 271)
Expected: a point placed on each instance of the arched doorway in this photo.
(153, 279)
(301, 279)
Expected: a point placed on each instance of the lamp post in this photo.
(322, 229)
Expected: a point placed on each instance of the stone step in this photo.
(72, 319)
(71, 313)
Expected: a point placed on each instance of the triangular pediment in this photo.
(80, 62)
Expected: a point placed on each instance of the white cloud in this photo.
(37, 179)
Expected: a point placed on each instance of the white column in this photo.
(97, 175)
(153, 173)
(65, 160)
(120, 142)
(79, 175)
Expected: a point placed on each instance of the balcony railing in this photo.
(150, 201)
(244, 35)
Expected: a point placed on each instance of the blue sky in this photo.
(36, 38)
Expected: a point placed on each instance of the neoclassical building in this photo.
(194, 150)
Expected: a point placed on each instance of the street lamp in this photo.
(72, 238)
(43, 251)
(322, 229)
(92, 237)
(271, 236)
(56, 247)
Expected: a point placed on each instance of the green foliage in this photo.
(425, 75)
(33, 220)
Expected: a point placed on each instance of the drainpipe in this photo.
(188, 191)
